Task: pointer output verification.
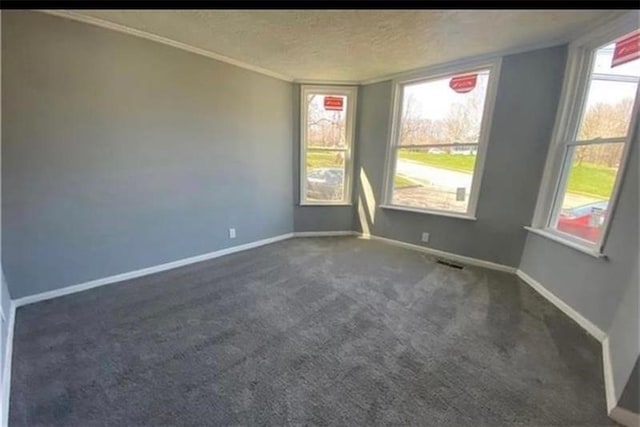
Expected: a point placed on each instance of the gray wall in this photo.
(528, 92)
(593, 287)
(313, 218)
(120, 153)
(4, 330)
(5, 297)
(606, 292)
(624, 337)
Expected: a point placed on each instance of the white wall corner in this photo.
(625, 417)
(609, 386)
(6, 374)
(324, 233)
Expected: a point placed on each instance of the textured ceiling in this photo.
(354, 45)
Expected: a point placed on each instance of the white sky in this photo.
(612, 92)
(434, 98)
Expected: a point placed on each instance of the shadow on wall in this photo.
(366, 207)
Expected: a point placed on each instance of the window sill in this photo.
(430, 212)
(324, 204)
(573, 245)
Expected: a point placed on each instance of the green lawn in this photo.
(587, 179)
(400, 182)
(325, 160)
(456, 162)
(592, 180)
(317, 159)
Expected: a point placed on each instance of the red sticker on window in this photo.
(627, 49)
(333, 103)
(463, 84)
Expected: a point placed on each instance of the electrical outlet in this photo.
(425, 237)
(232, 233)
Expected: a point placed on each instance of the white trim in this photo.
(327, 82)
(325, 233)
(568, 117)
(442, 71)
(6, 374)
(389, 172)
(556, 237)
(596, 141)
(325, 204)
(589, 327)
(351, 93)
(565, 105)
(625, 417)
(164, 40)
(565, 308)
(429, 212)
(607, 367)
(622, 171)
(30, 299)
(210, 54)
(607, 28)
(443, 254)
(585, 323)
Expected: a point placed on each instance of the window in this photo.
(438, 140)
(327, 115)
(591, 140)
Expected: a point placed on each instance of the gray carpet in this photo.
(322, 331)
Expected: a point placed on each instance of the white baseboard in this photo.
(6, 374)
(609, 386)
(586, 324)
(325, 233)
(448, 255)
(625, 417)
(30, 299)
(565, 308)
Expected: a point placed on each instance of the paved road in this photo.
(433, 176)
(430, 175)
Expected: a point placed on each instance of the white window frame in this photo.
(433, 73)
(572, 102)
(351, 93)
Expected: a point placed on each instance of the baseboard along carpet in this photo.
(320, 331)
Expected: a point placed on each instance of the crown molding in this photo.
(164, 40)
(328, 82)
(594, 26)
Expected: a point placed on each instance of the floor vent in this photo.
(450, 264)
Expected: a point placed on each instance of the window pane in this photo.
(326, 121)
(434, 178)
(607, 112)
(434, 113)
(325, 175)
(603, 59)
(589, 186)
